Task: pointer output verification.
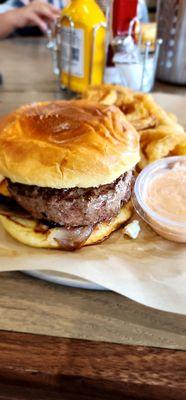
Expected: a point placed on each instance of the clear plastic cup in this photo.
(166, 226)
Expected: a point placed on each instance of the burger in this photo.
(68, 172)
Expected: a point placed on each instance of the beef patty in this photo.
(76, 206)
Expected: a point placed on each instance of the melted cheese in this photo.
(4, 188)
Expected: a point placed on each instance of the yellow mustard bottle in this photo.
(80, 22)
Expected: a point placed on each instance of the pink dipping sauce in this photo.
(160, 197)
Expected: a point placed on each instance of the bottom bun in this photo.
(32, 233)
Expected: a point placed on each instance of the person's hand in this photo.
(37, 13)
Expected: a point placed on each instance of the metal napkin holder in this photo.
(146, 54)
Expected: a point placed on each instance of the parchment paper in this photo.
(149, 270)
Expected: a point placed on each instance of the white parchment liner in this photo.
(149, 270)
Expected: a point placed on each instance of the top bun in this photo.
(66, 144)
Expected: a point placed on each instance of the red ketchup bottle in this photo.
(123, 12)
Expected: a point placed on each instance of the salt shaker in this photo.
(172, 29)
(135, 63)
(128, 61)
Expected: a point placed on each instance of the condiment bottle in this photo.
(104, 5)
(122, 12)
(83, 33)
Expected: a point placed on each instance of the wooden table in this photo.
(69, 343)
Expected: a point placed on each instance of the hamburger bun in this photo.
(67, 144)
(27, 231)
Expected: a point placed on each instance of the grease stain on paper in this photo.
(6, 252)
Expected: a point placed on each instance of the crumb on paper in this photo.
(132, 230)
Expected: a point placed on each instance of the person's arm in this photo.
(36, 13)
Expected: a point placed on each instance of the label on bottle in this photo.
(76, 44)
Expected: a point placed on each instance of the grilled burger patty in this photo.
(76, 206)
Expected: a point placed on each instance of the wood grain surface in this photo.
(26, 65)
(34, 306)
(44, 367)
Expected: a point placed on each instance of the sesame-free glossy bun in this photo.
(27, 231)
(66, 144)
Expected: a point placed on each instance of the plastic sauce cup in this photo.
(166, 221)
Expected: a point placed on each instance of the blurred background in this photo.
(126, 42)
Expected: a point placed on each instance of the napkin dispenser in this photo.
(172, 29)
